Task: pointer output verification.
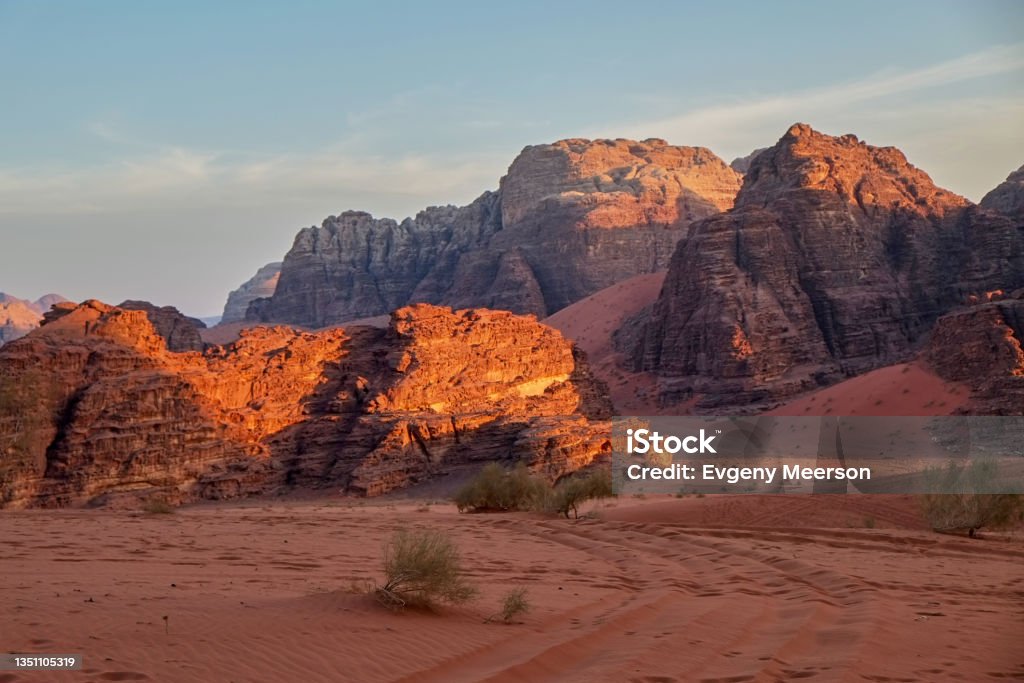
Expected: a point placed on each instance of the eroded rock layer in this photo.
(569, 219)
(837, 258)
(95, 409)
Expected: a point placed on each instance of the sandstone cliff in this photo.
(980, 345)
(259, 286)
(1008, 197)
(837, 258)
(179, 331)
(94, 408)
(569, 219)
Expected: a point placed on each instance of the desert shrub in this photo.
(496, 489)
(965, 498)
(514, 604)
(157, 506)
(423, 568)
(571, 493)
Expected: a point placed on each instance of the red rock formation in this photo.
(259, 286)
(980, 345)
(1007, 198)
(180, 332)
(837, 258)
(95, 409)
(18, 317)
(569, 219)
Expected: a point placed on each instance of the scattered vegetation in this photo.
(157, 506)
(496, 489)
(423, 568)
(574, 491)
(515, 604)
(965, 498)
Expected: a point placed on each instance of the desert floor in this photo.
(723, 588)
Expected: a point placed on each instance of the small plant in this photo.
(423, 568)
(514, 605)
(157, 506)
(869, 522)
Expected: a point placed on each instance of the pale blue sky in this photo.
(164, 151)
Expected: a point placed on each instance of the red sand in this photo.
(903, 389)
(723, 588)
(591, 322)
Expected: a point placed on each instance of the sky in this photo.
(166, 150)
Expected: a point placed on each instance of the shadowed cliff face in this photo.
(837, 258)
(569, 219)
(95, 409)
(1007, 198)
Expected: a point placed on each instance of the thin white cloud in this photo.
(721, 124)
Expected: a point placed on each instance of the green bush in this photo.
(496, 489)
(571, 493)
(423, 568)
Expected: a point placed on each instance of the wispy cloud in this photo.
(724, 120)
(175, 177)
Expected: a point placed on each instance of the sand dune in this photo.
(592, 321)
(724, 588)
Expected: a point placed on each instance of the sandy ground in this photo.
(723, 588)
(902, 389)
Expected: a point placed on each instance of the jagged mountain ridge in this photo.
(568, 219)
(836, 258)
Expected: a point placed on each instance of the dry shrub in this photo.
(966, 498)
(514, 604)
(496, 489)
(157, 506)
(571, 493)
(423, 568)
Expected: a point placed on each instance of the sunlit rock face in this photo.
(569, 218)
(96, 409)
(837, 257)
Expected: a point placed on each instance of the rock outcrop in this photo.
(259, 286)
(569, 219)
(837, 258)
(742, 164)
(1008, 197)
(18, 317)
(94, 408)
(179, 331)
(980, 345)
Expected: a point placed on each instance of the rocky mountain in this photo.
(1008, 197)
(981, 346)
(259, 286)
(95, 409)
(742, 164)
(18, 317)
(569, 219)
(180, 332)
(837, 258)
